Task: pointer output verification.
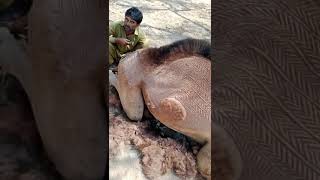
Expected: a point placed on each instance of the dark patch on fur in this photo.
(188, 47)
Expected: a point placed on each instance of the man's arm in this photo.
(142, 42)
(112, 38)
(114, 27)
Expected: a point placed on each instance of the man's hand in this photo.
(122, 41)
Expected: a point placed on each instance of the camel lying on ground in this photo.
(174, 81)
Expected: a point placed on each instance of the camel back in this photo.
(179, 49)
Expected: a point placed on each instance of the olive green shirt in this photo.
(137, 39)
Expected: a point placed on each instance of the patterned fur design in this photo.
(266, 85)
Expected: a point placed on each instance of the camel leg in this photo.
(130, 97)
(132, 102)
(204, 160)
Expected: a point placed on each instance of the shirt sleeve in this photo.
(112, 32)
(142, 41)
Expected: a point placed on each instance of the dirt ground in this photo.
(166, 21)
(147, 149)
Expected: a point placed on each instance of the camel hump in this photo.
(173, 109)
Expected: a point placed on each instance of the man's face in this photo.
(130, 24)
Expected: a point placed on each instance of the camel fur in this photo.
(174, 81)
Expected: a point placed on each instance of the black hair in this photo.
(135, 14)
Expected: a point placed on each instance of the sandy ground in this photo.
(134, 151)
(166, 21)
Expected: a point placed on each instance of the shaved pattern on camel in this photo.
(175, 83)
(173, 109)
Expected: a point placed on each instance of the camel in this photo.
(174, 81)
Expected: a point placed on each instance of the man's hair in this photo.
(135, 14)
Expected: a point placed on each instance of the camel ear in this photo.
(225, 154)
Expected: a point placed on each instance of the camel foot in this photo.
(204, 161)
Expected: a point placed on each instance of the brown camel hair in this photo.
(177, 50)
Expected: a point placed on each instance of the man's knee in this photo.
(112, 53)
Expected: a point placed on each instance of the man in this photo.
(126, 36)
